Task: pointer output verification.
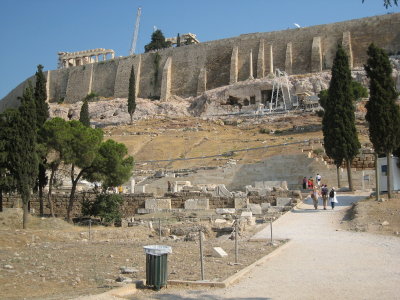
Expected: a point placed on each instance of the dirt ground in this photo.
(379, 217)
(56, 260)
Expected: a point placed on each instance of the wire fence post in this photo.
(90, 229)
(236, 242)
(270, 225)
(201, 254)
(159, 228)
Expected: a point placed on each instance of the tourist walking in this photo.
(314, 197)
(318, 179)
(305, 183)
(332, 198)
(324, 194)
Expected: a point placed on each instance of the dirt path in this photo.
(322, 262)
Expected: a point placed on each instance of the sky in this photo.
(34, 31)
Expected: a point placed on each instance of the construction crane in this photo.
(135, 32)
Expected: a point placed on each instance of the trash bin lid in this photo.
(157, 250)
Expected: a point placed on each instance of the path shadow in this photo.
(200, 295)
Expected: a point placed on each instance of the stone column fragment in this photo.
(289, 59)
(346, 44)
(202, 82)
(234, 66)
(166, 80)
(260, 60)
(316, 55)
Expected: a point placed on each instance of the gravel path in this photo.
(321, 262)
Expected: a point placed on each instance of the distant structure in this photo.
(238, 61)
(186, 38)
(79, 58)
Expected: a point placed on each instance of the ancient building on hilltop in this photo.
(193, 69)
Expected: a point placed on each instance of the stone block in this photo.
(201, 204)
(140, 189)
(225, 211)
(275, 209)
(246, 214)
(158, 204)
(265, 206)
(251, 221)
(143, 211)
(281, 201)
(219, 252)
(241, 202)
(220, 221)
(255, 208)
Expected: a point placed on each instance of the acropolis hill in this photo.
(193, 69)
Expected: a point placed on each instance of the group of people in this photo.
(319, 190)
(325, 194)
(309, 183)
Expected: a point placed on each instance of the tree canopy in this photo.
(23, 156)
(84, 117)
(132, 94)
(387, 3)
(157, 42)
(338, 124)
(40, 95)
(383, 114)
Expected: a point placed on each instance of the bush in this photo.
(320, 113)
(318, 151)
(106, 206)
(265, 130)
(91, 97)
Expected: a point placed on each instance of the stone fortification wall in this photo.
(104, 75)
(58, 82)
(184, 71)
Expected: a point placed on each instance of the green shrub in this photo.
(106, 206)
(320, 113)
(91, 97)
(265, 130)
(318, 151)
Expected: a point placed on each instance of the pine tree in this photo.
(23, 157)
(84, 114)
(132, 94)
(157, 42)
(338, 124)
(383, 114)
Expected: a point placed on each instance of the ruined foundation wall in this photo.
(300, 50)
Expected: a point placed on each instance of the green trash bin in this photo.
(157, 265)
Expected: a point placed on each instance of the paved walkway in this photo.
(321, 262)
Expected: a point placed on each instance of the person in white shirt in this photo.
(332, 198)
(318, 179)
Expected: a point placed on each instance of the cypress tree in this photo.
(7, 133)
(178, 40)
(42, 114)
(23, 157)
(42, 108)
(132, 94)
(338, 124)
(84, 114)
(383, 114)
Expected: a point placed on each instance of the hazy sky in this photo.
(33, 31)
